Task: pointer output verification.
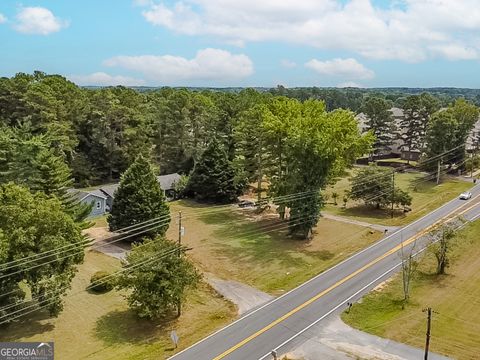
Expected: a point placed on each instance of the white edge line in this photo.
(332, 310)
(357, 293)
(314, 278)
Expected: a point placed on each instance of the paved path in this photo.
(280, 323)
(112, 250)
(377, 227)
(243, 296)
(101, 235)
(336, 340)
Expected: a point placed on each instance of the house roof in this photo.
(80, 195)
(109, 190)
(167, 181)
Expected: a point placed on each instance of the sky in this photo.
(220, 43)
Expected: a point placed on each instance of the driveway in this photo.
(336, 340)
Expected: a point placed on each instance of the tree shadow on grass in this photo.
(26, 327)
(124, 326)
(363, 211)
(262, 241)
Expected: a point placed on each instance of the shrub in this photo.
(101, 281)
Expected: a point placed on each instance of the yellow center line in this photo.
(345, 279)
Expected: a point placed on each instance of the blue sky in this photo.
(370, 43)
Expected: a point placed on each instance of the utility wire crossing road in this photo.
(277, 324)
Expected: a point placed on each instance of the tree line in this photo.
(54, 134)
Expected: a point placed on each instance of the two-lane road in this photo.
(276, 323)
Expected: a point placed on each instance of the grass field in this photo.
(100, 221)
(453, 297)
(100, 326)
(427, 196)
(235, 244)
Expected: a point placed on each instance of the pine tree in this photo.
(417, 111)
(51, 175)
(32, 161)
(380, 123)
(213, 177)
(139, 198)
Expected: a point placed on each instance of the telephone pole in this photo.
(427, 340)
(438, 172)
(393, 190)
(180, 231)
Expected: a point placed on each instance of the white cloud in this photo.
(2, 18)
(38, 20)
(208, 64)
(410, 30)
(344, 68)
(455, 52)
(104, 79)
(288, 64)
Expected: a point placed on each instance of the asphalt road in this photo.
(283, 321)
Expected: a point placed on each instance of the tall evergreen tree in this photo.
(32, 161)
(139, 198)
(380, 123)
(417, 110)
(213, 177)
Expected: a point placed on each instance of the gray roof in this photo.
(167, 181)
(81, 194)
(109, 190)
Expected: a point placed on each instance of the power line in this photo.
(102, 281)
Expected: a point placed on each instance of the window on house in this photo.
(99, 205)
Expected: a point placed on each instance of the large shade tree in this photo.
(447, 133)
(157, 276)
(311, 146)
(33, 227)
(376, 187)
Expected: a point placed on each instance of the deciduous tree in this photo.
(374, 186)
(156, 276)
(35, 226)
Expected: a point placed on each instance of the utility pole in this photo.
(471, 165)
(438, 172)
(427, 340)
(180, 231)
(393, 190)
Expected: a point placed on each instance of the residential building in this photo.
(95, 197)
(167, 184)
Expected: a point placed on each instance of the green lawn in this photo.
(454, 298)
(235, 244)
(427, 196)
(100, 326)
(99, 221)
